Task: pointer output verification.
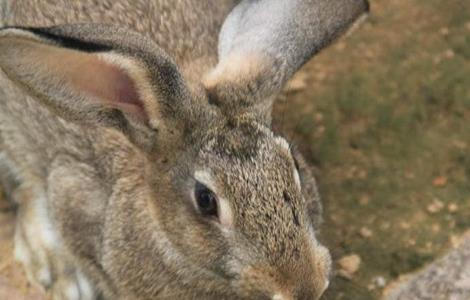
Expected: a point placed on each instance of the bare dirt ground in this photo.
(382, 116)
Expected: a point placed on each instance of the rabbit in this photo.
(137, 139)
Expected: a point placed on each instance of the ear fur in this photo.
(263, 43)
(88, 76)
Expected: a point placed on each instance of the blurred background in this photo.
(383, 117)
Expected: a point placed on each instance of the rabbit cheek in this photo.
(321, 260)
(225, 215)
(260, 283)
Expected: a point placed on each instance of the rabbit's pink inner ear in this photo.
(108, 83)
(112, 85)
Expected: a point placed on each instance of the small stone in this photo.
(444, 31)
(362, 174)
(439, 181)
(349, 265)
(340, 46)
(449, 53)
(404, 225)
(463, 284)
(385, 225)
(468, 26)
(452, 207)
(298, 83)
(452, 223)
(380, 282)
(368, 53)
(351, 172)
(428, 245)
(461, 145)
(455, 240)
(320, 75)
(318, 117)
(365, 232)
(335, 218)
(435, 207)
(364, 200)
(319, 131)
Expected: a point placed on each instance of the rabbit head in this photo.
(206, 200)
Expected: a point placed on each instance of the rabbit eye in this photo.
(206, 200)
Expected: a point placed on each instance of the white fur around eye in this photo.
(225, 213)
(285, 145)
(224, 208)
(297, 179)
(205, 178)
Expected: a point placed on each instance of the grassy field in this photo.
(384, 118)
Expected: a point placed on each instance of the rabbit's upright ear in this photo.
(95, 74)
(264, 42)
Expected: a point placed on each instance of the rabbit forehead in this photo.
(251, 156)
(254, 170)
(243, 140)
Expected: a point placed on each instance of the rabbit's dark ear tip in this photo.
(66, 42)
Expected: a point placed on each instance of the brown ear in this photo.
(88, 80)
(263, 43)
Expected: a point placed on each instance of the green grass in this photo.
(392, 114)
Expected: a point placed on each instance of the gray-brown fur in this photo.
(114, 179)
(186, 31)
